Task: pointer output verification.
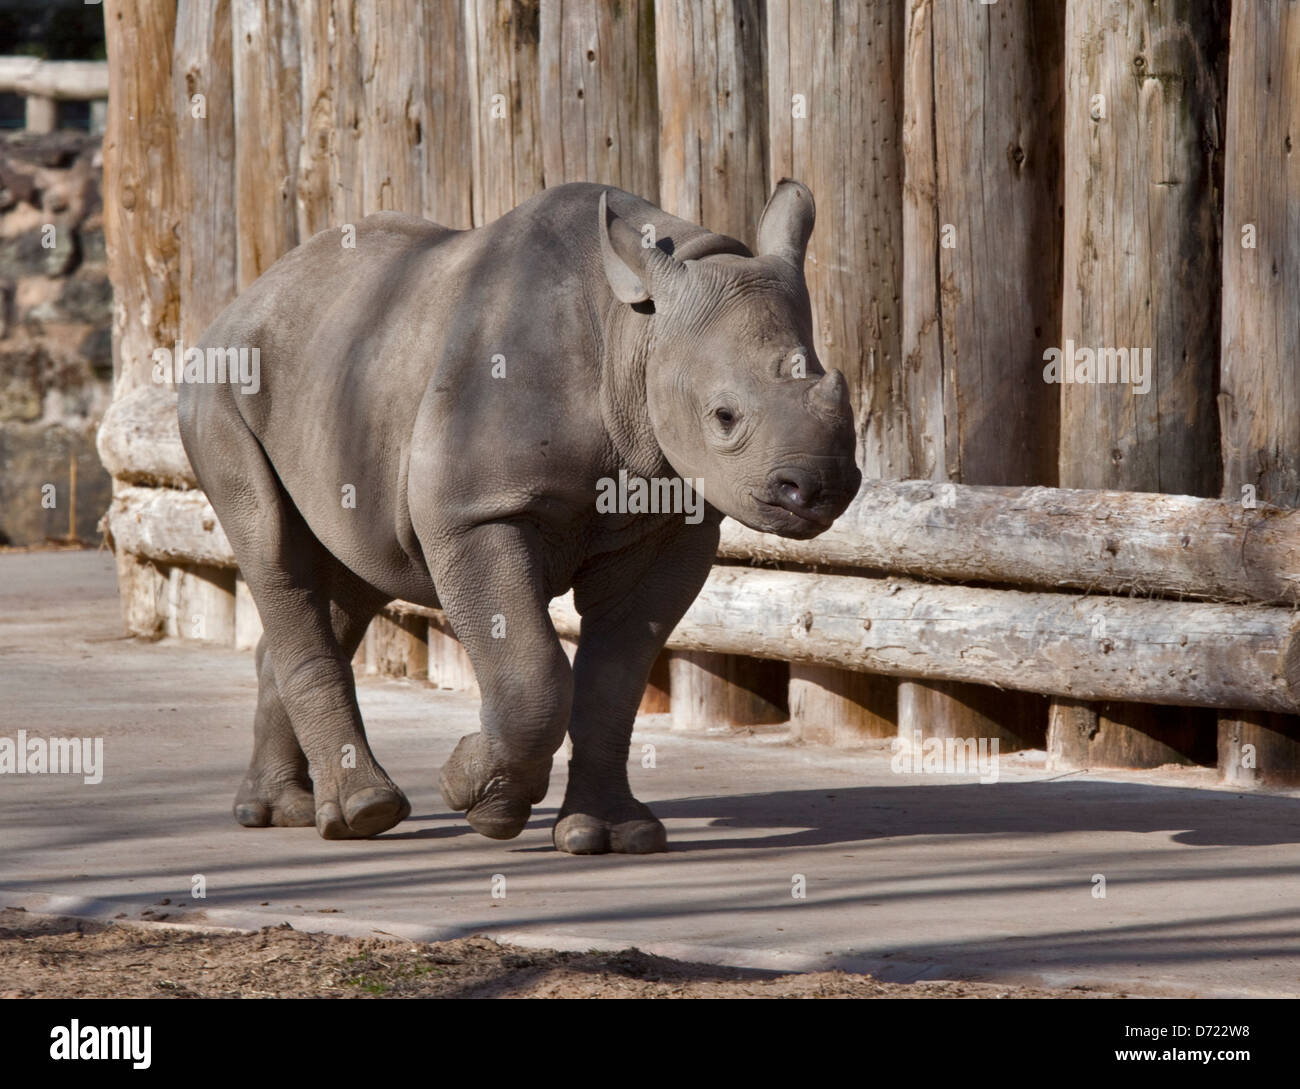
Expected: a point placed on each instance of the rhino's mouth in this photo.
(794, 519)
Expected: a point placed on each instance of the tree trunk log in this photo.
(1259, 382)
(598, 94)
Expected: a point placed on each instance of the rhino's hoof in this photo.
(583, 834)
(291, 807)
(367, 812)
(499, 817)
(496, 803)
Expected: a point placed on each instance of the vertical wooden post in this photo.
(598, 94)
(140, 206)
(142, 591)
(449, 665)
(318, 145)
(346, 67)
(1143, 95)
(712, 137)
(395, 99)
(397, 646)
(709, 61)
(203, 85)
(981, 261)
(837, 707)
(657, 698)
(248, 621)
(449, 178)
(1259, 381)
(725, 690)
(501, 38)
(268, 127)
(834, 102)
(201, 603)
(42, 114)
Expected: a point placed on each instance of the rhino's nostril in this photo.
(797, 490)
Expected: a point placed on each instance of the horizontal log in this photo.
(1102, 541)
(1196, 654)
(168, 526)
(139, 439)
(54, 79)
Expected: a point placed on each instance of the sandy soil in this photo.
(54, 957)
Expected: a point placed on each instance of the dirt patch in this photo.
(45, 956)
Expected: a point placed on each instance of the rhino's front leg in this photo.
(621, 637)
(490, 584)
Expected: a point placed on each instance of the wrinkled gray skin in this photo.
(476, 493)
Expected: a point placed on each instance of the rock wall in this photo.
(56, 359)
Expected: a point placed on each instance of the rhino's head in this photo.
(736, 395)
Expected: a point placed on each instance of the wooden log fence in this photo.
(1132, 556)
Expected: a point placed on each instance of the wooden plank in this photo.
(710, 690)
(709, 61)
(248, 621)
(987, 120)
(1259, 384)
(397, 645)
(142, 592)
(201, 604)
(1259, 381)
(268, 127)
(997, 146)
(41, 114)
(1140, 218)
(347, 158)
(501, 41)
(395, 100)
(834, 107)
(1128, 735)
(598, 91)
(840, 707)
(1143, 97)
(203, 83)
(140, 185)
(712, 118)
(449, 665)
(318, 144)
(448, 181)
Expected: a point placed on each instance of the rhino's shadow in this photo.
(809, 818)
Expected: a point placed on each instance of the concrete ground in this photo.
(907, 876)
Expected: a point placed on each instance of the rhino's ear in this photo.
(635, 272)
(787, 222)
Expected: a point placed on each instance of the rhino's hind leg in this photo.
(314, 612)
(277, 788)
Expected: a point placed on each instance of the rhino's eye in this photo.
(725, 417)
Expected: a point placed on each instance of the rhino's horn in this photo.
(787, 222)
(829, 395)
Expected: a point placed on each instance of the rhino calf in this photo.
(437, 412)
